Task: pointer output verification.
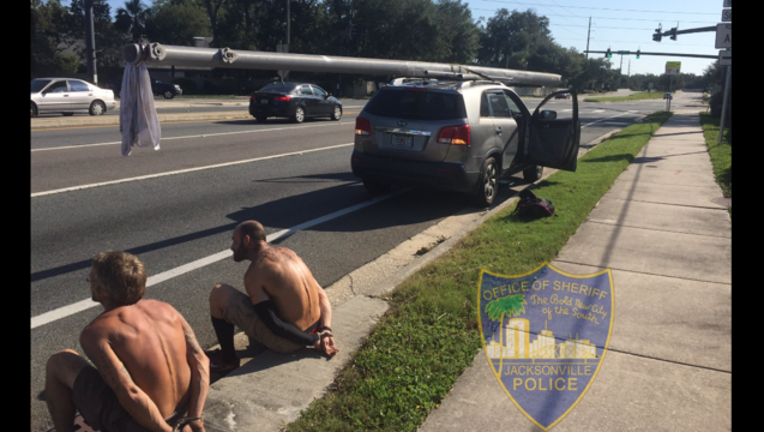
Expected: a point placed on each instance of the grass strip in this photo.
(430, 333)
(631, 97)
(721, 154)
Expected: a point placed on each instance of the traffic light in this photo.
(638, 54)
(609, 54)
(657, 36)
(673, 33)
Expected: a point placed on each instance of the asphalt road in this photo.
(179, 205)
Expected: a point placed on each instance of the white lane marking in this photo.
(597, 111)
(82, 146)
(608, 118)
(65, 311)
(184, 171)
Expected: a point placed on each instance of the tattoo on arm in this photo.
(191, 339)
(108, 373)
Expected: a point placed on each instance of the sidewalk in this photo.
(669, 365)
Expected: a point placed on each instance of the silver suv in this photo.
(459, 136)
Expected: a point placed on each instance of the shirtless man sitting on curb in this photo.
(285, 308)
(150, 367)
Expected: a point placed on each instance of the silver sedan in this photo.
(69, 95)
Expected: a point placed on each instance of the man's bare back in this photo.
(288, 282)
(285, 308)
(150, 372)
(148, 338)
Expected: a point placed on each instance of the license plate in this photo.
(402, 141)
(264, 101)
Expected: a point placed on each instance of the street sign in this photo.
(673, 68)
(727, 3)
(727, 15)
(724, 36)
(725, 58)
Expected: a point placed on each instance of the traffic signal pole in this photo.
(715, 57)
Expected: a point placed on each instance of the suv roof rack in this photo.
(468, 84)
(458, 82)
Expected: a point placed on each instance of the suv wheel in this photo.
(488, 186)
(168, 95)
(375, 187)
(337, 114)
(299, 115)
(261, 119)
(533, 173)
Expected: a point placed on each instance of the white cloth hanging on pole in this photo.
(138, 120)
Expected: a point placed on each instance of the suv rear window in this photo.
(417, 104)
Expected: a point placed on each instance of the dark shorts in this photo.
(100, 408)
(240, 312)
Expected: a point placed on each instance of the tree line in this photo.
(420, 30)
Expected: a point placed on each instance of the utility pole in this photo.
(620, 69)
(629, 67)
(724, 104)
(289, 22)
(90, 42)
(588, 35)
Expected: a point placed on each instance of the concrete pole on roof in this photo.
(183, 56)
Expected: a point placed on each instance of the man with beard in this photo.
(149, 367)
(285, 309)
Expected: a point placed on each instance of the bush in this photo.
(717, 101)
(208, 87)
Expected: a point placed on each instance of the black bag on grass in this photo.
(532, 206)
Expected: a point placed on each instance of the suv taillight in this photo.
(252, 97)
(455, 135)
(362, 126)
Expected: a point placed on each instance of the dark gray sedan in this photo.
(69, 95)
(295, 101)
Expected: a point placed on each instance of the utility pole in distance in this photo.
(588, 36)
(90, 42)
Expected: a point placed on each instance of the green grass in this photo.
(721, 155)
(631, 97)
(430, 334)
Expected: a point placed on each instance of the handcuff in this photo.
(186, 421)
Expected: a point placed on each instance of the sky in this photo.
(621, 25)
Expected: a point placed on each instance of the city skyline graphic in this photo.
(517, 345)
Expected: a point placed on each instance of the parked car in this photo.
(668, 96)
(69, 95)
(459, 136)
(296, 101)
(563, 96)
(168, 91)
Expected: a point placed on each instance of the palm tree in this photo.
(508, 306)
(132, 19)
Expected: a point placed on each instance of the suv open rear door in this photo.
(554, 142)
